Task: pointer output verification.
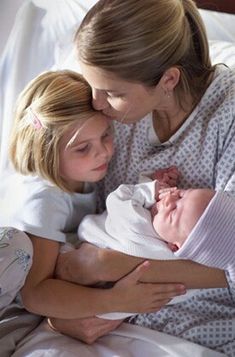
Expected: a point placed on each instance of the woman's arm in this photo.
(87, 330)
(44, 295)
(89, 265)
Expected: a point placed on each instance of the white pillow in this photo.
(219, 26)
(222, 52)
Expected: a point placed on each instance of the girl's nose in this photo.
(102, 151)
(99, 99)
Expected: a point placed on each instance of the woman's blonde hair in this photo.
(46, 109)
(139, 40)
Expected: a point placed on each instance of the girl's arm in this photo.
(90, 264)
(44, 295)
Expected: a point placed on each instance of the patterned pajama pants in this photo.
(16, 253)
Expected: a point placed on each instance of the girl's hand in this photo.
(130, 295)
(87, 330)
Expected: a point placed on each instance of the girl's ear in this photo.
(170, 79)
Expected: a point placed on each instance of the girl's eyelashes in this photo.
(82, 149)
(115, 95)
(108, 132)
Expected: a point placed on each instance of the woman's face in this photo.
(124, 101)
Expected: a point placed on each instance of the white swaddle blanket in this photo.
(126, 226)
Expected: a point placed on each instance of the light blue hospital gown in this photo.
(204, 151)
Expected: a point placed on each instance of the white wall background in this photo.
(8, 9)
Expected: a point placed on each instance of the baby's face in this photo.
(178, 212)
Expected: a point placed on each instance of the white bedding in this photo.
(132, 233)
(127, 341)
(42, 38)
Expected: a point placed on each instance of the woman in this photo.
(149, 67)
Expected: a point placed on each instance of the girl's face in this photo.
(121, 100)
(87, 157)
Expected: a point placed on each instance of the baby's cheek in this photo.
(153, 210)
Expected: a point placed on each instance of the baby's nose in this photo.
(170, 200)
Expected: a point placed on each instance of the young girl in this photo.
(61, 146)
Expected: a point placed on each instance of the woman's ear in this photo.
(170, 79)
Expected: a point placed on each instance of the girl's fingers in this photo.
(136, 274)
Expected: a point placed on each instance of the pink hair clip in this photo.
(35, 121)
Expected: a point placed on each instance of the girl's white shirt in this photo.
(35, 206)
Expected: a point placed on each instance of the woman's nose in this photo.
(99, 100)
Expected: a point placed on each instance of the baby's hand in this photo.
(167, 177)
(168, 190)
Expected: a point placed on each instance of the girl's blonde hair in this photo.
(139, 40)
(46, 109)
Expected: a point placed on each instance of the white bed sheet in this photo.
(126, 341)
(42, 38)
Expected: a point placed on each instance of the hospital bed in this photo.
(41, 39)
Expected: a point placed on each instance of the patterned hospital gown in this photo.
(204, 151)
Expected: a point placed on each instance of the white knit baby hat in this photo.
(212, 240)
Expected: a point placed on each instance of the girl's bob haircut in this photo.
(49, 106)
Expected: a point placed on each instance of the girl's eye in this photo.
(114, 96)
(82, 149)
(108, 133)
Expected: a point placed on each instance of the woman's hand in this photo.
(129, 295)
(87, 330)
